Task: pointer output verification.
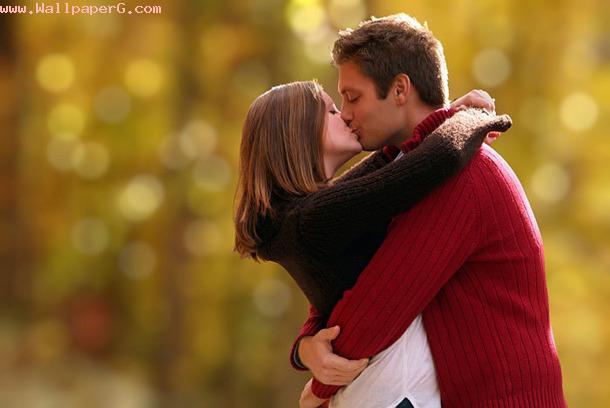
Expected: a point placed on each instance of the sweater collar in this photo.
(427, 126)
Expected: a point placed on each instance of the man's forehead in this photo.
(351, 79)
(349, 83)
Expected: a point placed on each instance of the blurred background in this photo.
(119, 139)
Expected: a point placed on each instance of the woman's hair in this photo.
(280, 154)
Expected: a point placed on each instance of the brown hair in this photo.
(388, 46)
(281, 153)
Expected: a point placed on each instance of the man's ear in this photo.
(401, 89)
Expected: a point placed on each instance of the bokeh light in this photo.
(90, 160)
(550, 183)
(90, 236)
(578, 111)
(112, 104)
(198, 139)
(305, 16)
(66, 118)
(171, 154)
(318, 47)
(140, 198)
(203, 238)
(144, 78)
(346, 13)
(55, 73)
(491, 67)
(212, 174)
(60, 151)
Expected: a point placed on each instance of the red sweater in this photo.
(470, 258)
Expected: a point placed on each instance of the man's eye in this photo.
(350, 98)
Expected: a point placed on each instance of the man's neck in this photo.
(416, 115)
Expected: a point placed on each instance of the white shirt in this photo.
(403, 370)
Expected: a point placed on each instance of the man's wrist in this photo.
(296, 358)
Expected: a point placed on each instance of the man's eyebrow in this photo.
(346, 89)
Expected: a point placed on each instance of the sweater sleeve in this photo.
(329, 218)
(369, 164)
(424, 248)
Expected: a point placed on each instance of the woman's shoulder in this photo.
(271, 225)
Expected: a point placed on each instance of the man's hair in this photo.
(386, 47)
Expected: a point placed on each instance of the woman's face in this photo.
(339, 143)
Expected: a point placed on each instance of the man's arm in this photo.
(314, 346)
(424, 248)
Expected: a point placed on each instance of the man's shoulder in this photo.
(489, 175)
(487, 164)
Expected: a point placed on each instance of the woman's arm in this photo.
(369, 164)
(328, 219)
(476, 98)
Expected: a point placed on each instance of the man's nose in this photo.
(347, 116)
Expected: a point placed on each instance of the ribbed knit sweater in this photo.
(470, 258)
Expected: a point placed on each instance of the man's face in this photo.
(375, 121)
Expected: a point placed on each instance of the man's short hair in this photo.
(388, 46)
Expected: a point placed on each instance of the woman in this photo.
(324, 231)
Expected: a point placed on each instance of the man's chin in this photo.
(367, 148)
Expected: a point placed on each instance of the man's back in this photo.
(488, 326)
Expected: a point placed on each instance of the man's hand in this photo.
(317, 354)
(476, 98)
(491, 137)
(308, 398)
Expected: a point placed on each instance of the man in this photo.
(468, 258)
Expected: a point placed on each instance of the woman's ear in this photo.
(401, 89)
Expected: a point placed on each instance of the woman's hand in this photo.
(308, 398)
(466, 130)
(476, 98)
(317, 354)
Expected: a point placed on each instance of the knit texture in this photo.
(470, 258)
